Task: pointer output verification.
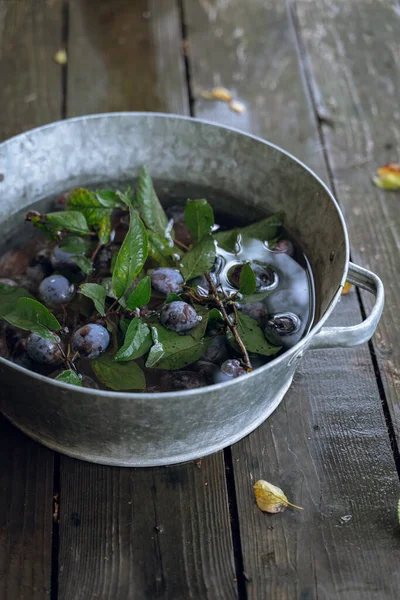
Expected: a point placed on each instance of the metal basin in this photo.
(190, 157)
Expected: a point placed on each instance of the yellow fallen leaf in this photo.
(237, 106)
(346, 288)
(217, 93)
(270, 498)
(61, 57)
(388, 177)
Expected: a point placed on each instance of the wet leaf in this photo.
(97, 293)
(70, 377)
(199, 218)
(75, 245)
(172, 351)
(119, 376)
(215, 317)
(388, 177)
(69, 220)
(346, 288)
(131, 256)
(149, 205)
(270, 498)
(141, 295)
(247, 280)
(108, 198)
(200, 258)
(127, 197)
(172, 297)
(137, 342)
(9, 296)
(198, 332)
(252, 336)
(31, 315)
(265, 230)
(96, 210)
(162, 250)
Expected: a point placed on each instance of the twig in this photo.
(183, 246)
(232, 327)
(95, 251)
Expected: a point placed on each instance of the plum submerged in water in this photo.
(127, 297)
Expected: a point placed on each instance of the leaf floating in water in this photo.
(346, 288)
(270, 498)
(61, 57)
(388, 177)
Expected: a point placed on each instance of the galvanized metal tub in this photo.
(185, 156)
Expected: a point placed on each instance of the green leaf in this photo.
(31, 315)
(83, 262)
(9, 296)
(200, 259)
(107, 285)
(137, 342)
(252, 336)
(107, 198)
(71, 220)
(69, 377)
(265, 230)
(95, 292)
(141, 295)
(149, 205)
(172, 351)
(198, 332)
(96, 209)
(172, 297)
(118, 376)
(247, 280)
(131, 256)
(127, 197)
(75, 245)
(215, 317)
(162, 250)
(199, 218)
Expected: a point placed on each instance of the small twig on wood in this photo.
(232, 326)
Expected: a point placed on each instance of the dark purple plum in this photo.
(56, 290)
(179, 316)
(6, 281)
(281, 325)
(230, 369)
(182, 233)
(165, 280)
(183, 380)
(217, 351)
(91, 340)
(255, 310)
(283, 247)
(43, 351)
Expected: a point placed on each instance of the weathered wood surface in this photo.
(30, 34)
(352, 52)
(125, 55)
(327, 444)
(125, 533)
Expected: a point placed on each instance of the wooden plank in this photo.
(129, 57)
(144, 533)
(30, 34)
(138, 533)
(26, 483)
(352, 53)
(327, 444)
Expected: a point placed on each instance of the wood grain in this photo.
(352, 51)
(145, 533)
(26, 483)
(125, 56)
(30, 34)
(326, 445)
(138, 533)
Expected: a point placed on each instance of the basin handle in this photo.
(344, 337)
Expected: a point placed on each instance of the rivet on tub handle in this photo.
(342, 337)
